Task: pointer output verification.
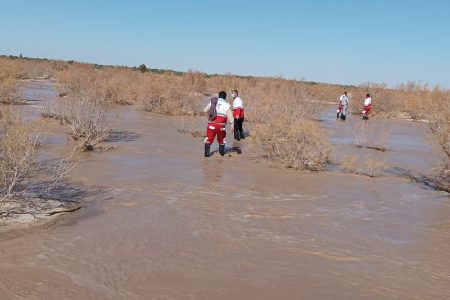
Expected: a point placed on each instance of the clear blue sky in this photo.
(346, 41)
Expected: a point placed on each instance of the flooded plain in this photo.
(159, 221)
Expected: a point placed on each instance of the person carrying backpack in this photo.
(238, 114)
(342, 107)
(219, 114)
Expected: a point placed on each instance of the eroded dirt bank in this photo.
(165, 223)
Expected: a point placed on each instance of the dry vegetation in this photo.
(164, 93)
(193, 125)
(371, 136)
(18, 149)
(370, 165)
(84, 110)
(23, 176)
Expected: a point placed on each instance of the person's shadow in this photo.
(228, 150)
(235, 148)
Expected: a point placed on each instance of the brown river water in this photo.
(159, 221)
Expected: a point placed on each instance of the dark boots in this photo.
(222, 150)
(237, 135)
(343, 117)
(207, 150)
(337, 116)
(238, 131)
(241, 133)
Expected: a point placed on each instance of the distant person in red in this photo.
(219, 114)
(238, 114)
(367, 107)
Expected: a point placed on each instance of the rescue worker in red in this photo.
(342, 107)
(238, 114)
(219, 114)
(367, 107)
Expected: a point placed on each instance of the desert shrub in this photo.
(281, 98)
(29, 69)
(411, 99)
(161, 96)
(373, 166)
(12, 69)
(167, 94)
(325, 92)
(86, 117)
(193, 125)
(18, 149)
(43, 71)
(226, 83)
(161, 93)
(9, 90)
(9, 83)
(76, 78)
(26, 180)
(299, 144)
(369, 165)
(437, 111)
(21, 172)
(194, 82)
(371, 135)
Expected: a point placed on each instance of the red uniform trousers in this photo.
(367, 109)
(213, 130)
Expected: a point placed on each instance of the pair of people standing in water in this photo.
(343, 105)
(220, 112)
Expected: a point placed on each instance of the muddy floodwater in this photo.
(159, 221)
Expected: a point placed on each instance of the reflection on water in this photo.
(213, 171)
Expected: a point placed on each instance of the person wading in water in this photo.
(238, 114)
(342, 107)
(367, 107)
(219, 114)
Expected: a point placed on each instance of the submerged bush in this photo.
(300, 144)
(84, 110)
(21, 172)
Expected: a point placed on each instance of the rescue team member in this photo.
(238, 114)
(342, 107)
(219, 114)
(367, 107)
